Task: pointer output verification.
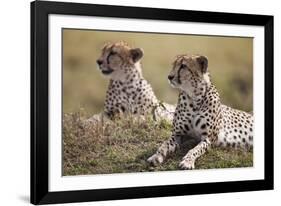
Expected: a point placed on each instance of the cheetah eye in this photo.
(112, 53)
(182, 66)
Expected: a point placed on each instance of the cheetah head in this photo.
(189, 73)
(119, 59)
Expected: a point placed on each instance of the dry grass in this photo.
(123, 146)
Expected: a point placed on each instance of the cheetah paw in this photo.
(187, 164)
(155, 159)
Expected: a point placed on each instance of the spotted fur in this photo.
(200, 120)
(128, 91)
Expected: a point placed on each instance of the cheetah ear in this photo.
(136, 54)
(203, 63)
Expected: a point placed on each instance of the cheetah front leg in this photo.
(188, 161)
(167, 147)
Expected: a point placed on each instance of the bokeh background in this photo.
(230, 65)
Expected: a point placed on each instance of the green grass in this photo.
(123, 145)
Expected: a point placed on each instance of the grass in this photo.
(123, 145)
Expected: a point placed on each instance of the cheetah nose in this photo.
(170, 77)
(99, 62)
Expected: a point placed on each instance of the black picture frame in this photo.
(39, 101)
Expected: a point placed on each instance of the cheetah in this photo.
(200, 119)
(128, 92)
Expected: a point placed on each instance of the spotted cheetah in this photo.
(200, 119)
(128, 91)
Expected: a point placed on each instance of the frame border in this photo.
(39, 102)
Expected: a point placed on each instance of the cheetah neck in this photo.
(199, 98)
(133, 74)
(133, 83)
(138, 68)
(132, 94)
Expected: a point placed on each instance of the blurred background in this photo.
(230, 65)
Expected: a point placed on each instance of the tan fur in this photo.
(128, 91)
(200, 119)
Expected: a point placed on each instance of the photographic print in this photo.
(139, 102)
(131, 102)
